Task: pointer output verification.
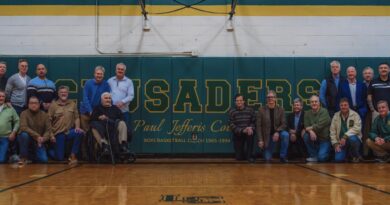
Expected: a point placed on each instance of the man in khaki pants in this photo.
(379, 140)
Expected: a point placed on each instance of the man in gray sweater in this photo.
(16, 88)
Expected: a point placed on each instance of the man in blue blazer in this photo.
(355, 91)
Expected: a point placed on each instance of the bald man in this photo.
(41, 87)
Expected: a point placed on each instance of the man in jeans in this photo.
(345, 133)
(9, 125)
(35, 130)
(242, 124)
(271, 127)
(316, 137)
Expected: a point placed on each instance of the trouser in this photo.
(25, 141)
(284, 141)
(319, 149)
(59, 146)
(3, 148)
(243, 147)
(297, 149)
(366, 131)
(379, 150)
(351, 148)
(84, 122)
(122, 133)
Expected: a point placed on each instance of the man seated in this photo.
(345, 133)
(35, 130)
(65, 121)
(295, 126)
(104, 119)
(316, 137)
(379, 139)
(9, 125)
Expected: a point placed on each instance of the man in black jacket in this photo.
(105, 120)
(295, 127)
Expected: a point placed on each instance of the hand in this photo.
(293, 137)
(103, 117)
(303, 132)
(78, 130)
(313, 135)
(293, 131)
(12, 136)
(40, 141)
(342, 142)
(275, 137)
(261, 144)
(379, 141)
(120, 104)
(249, 131)
(337, 148)
(53, 139)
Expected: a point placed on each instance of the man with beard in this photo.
(41, 87)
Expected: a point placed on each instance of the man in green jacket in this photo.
(379, 140)
(9, 125)
(316, 137)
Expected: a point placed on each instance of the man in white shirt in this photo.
(122, 91)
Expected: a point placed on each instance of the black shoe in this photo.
(383, 159)
(283, 160)
(124, 148)
(105, 149)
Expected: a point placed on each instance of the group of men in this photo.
(36, 119)
(349, 118)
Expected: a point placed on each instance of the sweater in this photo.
(9, 121)
(91, 95)
(319, 121)
(16, 90)
(240, 119)
(44, 90)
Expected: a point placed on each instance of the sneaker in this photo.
(383, 159)
(356, 159)
(283, 160)
(312, 159)
(72, 161)
(124, 148)
(14, 159)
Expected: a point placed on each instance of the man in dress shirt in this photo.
(122, 90)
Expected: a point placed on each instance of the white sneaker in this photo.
(312, 159)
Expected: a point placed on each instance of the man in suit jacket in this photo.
(295, 126)
(271, 128)
(355, 91)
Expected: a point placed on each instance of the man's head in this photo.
(120, 70)
(3, 68)
(297, 106)
(63, 93)
(99, 73)
(41, 71)
(335, 67)
(23, 66)
(106, 99)
(33, 104)
(271, 98)
(383, 108)
(2, 97)
(351, 73)
(368, 74)
(315, 103)
(383, 69)
(240, 101)
(344, 106)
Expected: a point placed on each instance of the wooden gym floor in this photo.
(191, 181)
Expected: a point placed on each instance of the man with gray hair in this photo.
(295, 128)
(93, 89)
(107, 121)
(122, 90)
(330, 87)
(3, 77)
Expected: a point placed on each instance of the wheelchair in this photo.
(95, 152)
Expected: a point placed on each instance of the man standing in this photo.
(122, 90)
(9, 125)
(242, 124)
(41, 87)
(16, 88)
(35, 130)
(368, 75)
(379, 140)
(93, 89)
(330, 87)
(296, 126)
(316, 137)
(355, 92)
(3, 77)
(270, 128)
(65, 123)
(379, 89)
(345, 133)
